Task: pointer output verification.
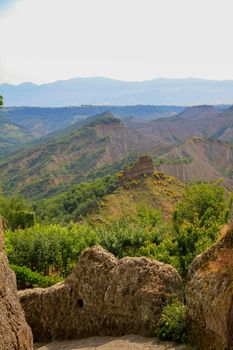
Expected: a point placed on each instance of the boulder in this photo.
(209, 296)
(102, 296)
(15, 334)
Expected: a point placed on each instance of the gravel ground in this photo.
(129, 342)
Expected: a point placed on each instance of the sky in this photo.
(48, 40)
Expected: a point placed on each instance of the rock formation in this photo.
(209, 296)
(15, 334)
(144, 166)
(102, 296)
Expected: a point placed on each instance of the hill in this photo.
(41, 121)
(86, 148)
(106, 91)
(66, 159)
(158, 191)
(19, 125)
(199, 159)
(203, 121)
(126, 194)
(167, 124)
(12, 135)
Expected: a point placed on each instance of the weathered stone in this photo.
(209, 296)
(103, 296)
(15, 334)
(144, 166)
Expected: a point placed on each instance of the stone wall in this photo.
(103, 296)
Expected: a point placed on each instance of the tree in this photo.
(1, 101)
(204, 202)
(16, 212)
(197, 221)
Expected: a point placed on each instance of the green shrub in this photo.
(20, 219)
(172, 324)
(127, 237)
(16, 212)
(27, 278)
(205, 202)
(49, 248)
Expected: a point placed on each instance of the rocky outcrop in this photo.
(209, 296)
(15, 334)
(144, 166)
(103, 296)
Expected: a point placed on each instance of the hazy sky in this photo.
(48, 40)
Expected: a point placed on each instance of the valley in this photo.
(116, 175)
(189, 145)
(135, 199)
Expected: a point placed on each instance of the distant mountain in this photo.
(41, 121)
(88, 146)
(199, 159)
(106, 91)
(19, 125)
(203, 121)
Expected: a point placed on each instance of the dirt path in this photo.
(129, 342)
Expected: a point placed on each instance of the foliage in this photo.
(29, 279)
(53, 249)
(172, 324)
(197, 221)
(204, 202)
(49, 248)
(75, 203)
(126, 237)
(16, 212)
(1, 101)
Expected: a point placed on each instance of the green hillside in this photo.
(89, 148)
(51, 167)
(11, 135)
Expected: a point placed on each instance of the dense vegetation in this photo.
(54, 249)
(76, 202)
(16, 212)
(43, 247)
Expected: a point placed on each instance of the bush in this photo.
(49, 248)
(127, 237)
(197, 221)
(29, 279)
(172, 324)
(16, 212)
(205, 202)
(20, 219)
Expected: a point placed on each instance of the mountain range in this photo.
(193, 145)
(19, 125)
(105, 91)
